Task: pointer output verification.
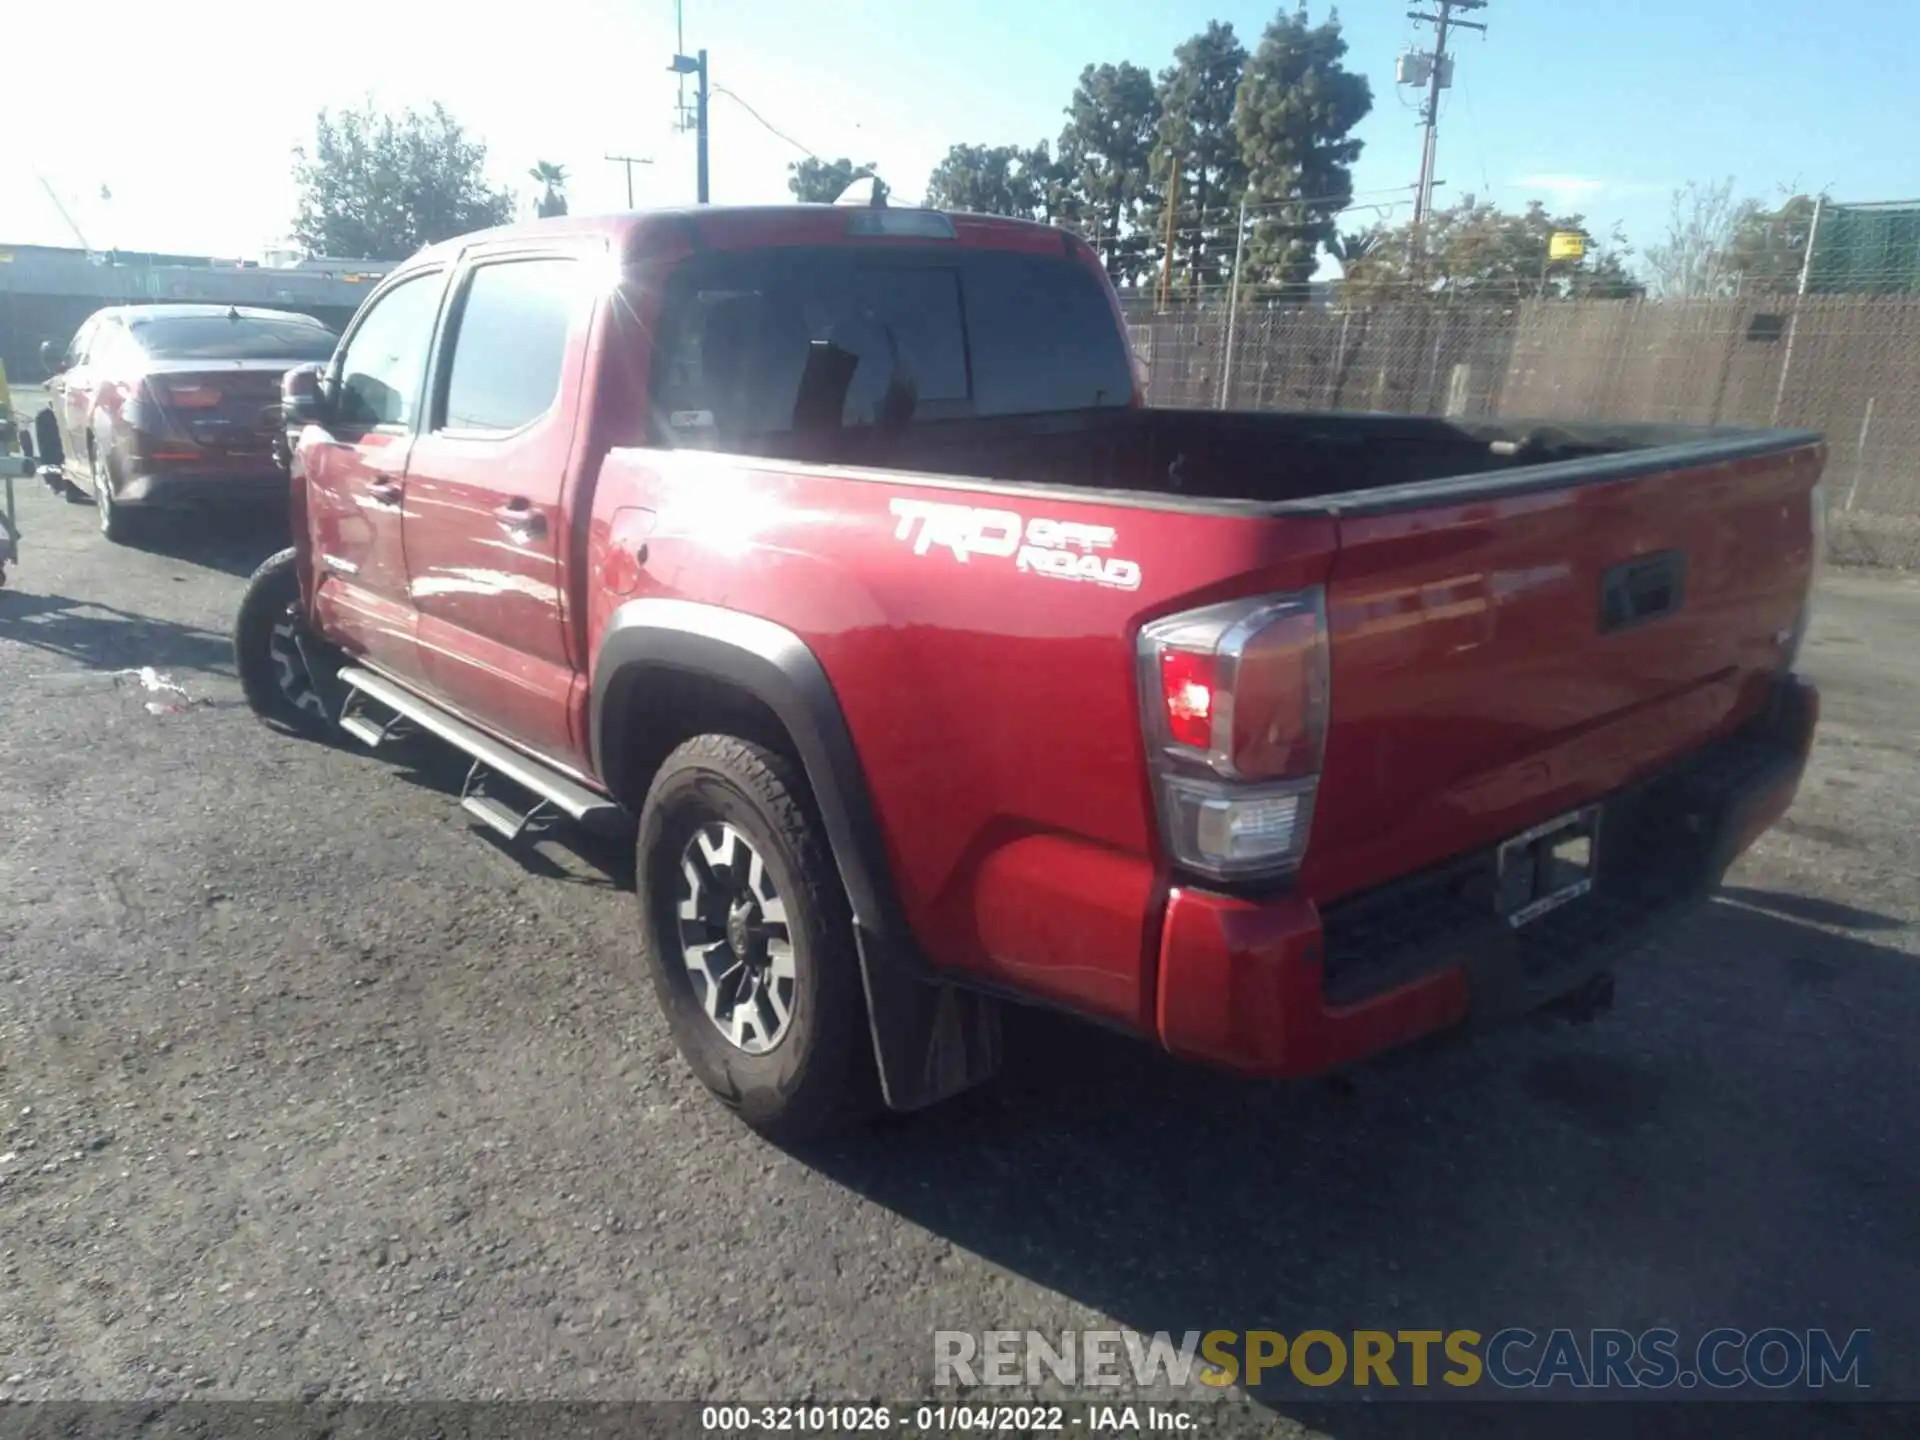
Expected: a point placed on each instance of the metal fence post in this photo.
(1233, 303)
(1793, 324)
(1860, 452)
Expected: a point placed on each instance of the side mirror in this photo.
(304, 397)
(50, 357)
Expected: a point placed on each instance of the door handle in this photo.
(521, 521)
(385, 489)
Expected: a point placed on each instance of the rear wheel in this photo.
(270, 649)
(117, 523)
(749, 941)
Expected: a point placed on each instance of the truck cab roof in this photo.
(751, 226)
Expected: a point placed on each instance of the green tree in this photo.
(1766, 247)
(1196, 133)
(1053, 183)
(992, 180)
(1105, 153)
(1474, 250)
(553, 182)
(379, 186)
(820, 182)
(1294, 115)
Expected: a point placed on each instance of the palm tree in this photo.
(554, 179)
(1355, 246)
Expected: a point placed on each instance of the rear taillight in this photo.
(187, 395)
(1187, 681)
(1235, 700)
(1818, 520)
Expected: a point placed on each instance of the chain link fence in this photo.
(1847, 366)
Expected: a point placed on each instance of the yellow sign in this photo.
(1566, 245)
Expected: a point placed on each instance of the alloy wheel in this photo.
(734, 939)
(290, 671)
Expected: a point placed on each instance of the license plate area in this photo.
(1541, 869)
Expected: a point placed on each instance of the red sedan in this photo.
(177, 405)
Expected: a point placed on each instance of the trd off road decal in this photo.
(1058, 549)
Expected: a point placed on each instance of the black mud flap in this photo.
(46, 438)
(930, 1040)
(1788, 724)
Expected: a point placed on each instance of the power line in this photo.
(765, 123)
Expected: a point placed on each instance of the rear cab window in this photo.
(757, 344)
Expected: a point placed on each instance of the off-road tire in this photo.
(819, 1075)
(273, 676)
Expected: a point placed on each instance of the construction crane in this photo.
(78, 234)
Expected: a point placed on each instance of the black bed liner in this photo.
(1268, 463)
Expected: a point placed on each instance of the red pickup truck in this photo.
(837, 545)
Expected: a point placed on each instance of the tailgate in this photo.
(1509, 651)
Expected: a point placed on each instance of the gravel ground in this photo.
(307, 1088)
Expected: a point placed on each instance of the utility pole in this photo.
(1434, 69)
(1173, 210)
(681, 119)
(630, 161)
(696, 65)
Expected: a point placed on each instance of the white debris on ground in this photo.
(174, 697)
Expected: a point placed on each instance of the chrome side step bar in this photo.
(493, 812)
(364, 727)
(553, 791)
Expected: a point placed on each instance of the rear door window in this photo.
(760, 343)
(510, 343)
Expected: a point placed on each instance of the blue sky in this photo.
(1603, 109)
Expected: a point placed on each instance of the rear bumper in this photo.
(1284, 988)
(187, 488)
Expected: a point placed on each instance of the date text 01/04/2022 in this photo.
(945, 1418)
